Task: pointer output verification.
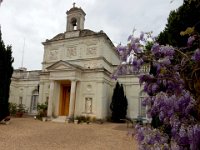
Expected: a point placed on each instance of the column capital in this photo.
(74, 80)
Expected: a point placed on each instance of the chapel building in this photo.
(76, 75)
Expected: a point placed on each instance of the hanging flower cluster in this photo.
(173, 93)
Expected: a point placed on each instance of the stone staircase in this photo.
(61, 119)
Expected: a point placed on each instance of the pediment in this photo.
(62, 65)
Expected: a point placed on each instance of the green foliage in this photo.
(187, 15)
(42, 110)
(12, 108)
(82, 119)
(15, 109)
(119, 104)
(6, 71)
(21, 108)
(155, 123)
(148, 46)
(42, 106)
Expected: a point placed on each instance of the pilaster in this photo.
(72, 98)
(50, 103)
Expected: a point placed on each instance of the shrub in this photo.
(42, 110)
(21, 108)
(119, 104)
(12, 108)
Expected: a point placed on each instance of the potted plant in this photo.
(12, 109)
(42, 111)
(20, 110)
(76, 120)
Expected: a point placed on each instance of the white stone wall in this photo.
(22, 89)
(101, 92)
(109, 52)
(44, 91)
(78, 49)
(87, 52)
(132, 91)
(85, 89)
(95, 85)
(106, 99)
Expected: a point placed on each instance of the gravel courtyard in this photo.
(30, 134)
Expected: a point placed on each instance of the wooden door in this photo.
(64, 102)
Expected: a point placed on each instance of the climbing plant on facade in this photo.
(173, 90)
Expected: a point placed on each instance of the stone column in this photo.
(72, 99)
(50, 102)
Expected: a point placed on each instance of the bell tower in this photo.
(75, 19)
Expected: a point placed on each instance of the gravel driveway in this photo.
(30, 134)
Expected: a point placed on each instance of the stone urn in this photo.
(75, 121)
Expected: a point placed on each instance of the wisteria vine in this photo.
(173, 88)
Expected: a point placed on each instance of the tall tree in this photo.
(124, 103)
(187, 15)
(6, 71)
(119, 104)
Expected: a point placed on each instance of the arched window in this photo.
(142, 109)
(34, 101)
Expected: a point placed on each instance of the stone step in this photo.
(60, 119)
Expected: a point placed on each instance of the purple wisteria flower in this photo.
(165, 61)
(151, 138)
(142, 36)
(121, 48)
(167, 100)
(168, 51)
(154, 87)
(196, 56)
(130, 37)
(190, 41)
(155, 48)
(160, 51)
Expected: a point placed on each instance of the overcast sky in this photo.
(34, 21)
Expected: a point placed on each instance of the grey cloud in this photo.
(37, 20)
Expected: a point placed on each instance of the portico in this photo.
(62, 91)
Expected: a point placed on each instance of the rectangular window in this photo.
(34, 102)
(20, 100)
(88, 105)
(47, 99)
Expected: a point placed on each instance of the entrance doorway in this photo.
(64, 100)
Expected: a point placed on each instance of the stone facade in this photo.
(24, 88)
(76, 74)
